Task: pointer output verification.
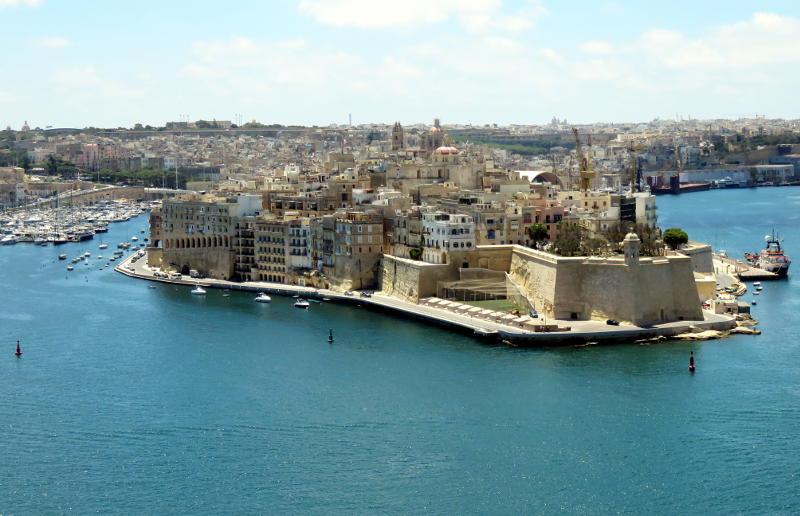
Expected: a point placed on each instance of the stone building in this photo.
(200, 232)
(398, 141)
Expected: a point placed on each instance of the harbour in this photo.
(123, 384)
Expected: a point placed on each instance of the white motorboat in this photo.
(302, 303)
(103, 246)
(70, 268)
(263, 298)
(198, 291)
(62, 256)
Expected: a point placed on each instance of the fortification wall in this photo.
(701, 255)
(656, 290)
(411, 280)
(492, 257)
(213, 263)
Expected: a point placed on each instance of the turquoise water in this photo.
(131, 400)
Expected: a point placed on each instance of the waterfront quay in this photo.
(741, 269)
(499, 330)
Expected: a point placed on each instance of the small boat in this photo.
(151, 286)
(99, 256)
(70, 268)
(87, 254)
(198, 291)
(759, 288)
(756, 283)
(756, 293)
(134, 239)
(62, 256)
(263, 298)
(301, 303)
(226, 295)
(103, 246)
(753, 303)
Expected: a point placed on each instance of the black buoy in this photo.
(330, 336)
(18, 352)
(691, 361)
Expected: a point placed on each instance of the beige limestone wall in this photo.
(210, 262)
(411, 280)
(701, 255)
(656, 290)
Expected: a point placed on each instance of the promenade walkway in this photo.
(502, 327)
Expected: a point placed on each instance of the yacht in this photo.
(70, 268)
(103, 246)
(263, 298)
(302, 303)
(62, 256)
(198, 291)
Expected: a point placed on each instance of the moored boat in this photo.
(263, 298)
(198, 291)
(302, 303)
(771, 258)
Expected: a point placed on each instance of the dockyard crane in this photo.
(584, 162)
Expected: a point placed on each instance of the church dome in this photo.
(435, 129)
(446, 150)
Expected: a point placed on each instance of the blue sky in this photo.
(106, 63)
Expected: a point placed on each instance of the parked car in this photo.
(612, 322)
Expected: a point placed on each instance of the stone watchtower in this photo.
(631, 247)
(397, 137)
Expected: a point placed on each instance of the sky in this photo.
(80, 63)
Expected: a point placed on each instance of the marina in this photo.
(59, 225)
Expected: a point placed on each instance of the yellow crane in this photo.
(584, 162)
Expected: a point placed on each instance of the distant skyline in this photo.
(107, 64)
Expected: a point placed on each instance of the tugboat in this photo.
(771, 258)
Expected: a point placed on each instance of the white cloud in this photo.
(51, 42)
(19, 3)
(87, 82)
(378, 14)
(475, 15)
(597, 47)
(502, 44)
(551, 55)
(762, 40)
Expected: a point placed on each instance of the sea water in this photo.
(131, 400)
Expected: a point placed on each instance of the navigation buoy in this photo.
(691, 361)
(18, 352)
(330, 336)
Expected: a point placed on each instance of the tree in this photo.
(569, 241)
(538, 233)
(674, 237)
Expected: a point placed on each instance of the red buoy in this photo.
(691, 361)
(18, 352)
